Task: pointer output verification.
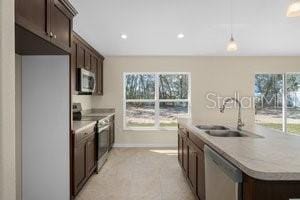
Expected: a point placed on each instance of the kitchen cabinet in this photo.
(111, 133)
(191, 159)
(90, 154)
(73, 64)
(88, 58)
(180, 149)
(270, 190)
(200, 175)
(192, 166)
(84, 158)
(47, 30)
(79, 166)
(80, 55)
(99, 77)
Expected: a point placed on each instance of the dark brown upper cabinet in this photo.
(43, 26)
(80, 56)
(99, 77)
(88, 58)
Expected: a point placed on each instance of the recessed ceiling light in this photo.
(294, 9)
(124, 36)
(180, 36)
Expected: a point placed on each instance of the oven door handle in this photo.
(102, 129)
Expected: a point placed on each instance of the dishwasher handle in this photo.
(229, 169)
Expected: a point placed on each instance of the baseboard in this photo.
(145, 145)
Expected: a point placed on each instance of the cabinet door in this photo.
(87, 60)
(90, 155)
(80, 56)
(73, 61)
(79, 166)
(180, 149)
(99, 76)
(192, 167)
(184, 155)
(32, 15)
(200, 175)
(60, 25)
(94, 63)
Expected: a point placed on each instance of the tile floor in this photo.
(138, 174)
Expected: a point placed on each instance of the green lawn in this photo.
(292, 128)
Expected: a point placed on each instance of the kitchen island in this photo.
(269, 160)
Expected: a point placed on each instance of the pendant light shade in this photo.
(294, 9)
(232, 46)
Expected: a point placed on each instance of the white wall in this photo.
(221, 75)
(45, 127)
(7, 101)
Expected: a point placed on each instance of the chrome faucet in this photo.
(240, 124)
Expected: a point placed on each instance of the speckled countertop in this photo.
(81, 125)
(274, 156)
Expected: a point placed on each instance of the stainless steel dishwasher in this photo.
(223, 181)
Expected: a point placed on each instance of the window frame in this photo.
(284, 100)
(156, 101)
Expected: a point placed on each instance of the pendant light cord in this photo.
(231, 29)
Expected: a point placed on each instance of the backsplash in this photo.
(85, 100)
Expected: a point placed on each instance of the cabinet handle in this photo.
(54, 36)
(51, 34)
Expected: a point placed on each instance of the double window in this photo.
(277, 102)
(156, 100)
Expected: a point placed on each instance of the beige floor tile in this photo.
(138, 174)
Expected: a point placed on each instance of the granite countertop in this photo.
(81, 125)
(104, 113)
(273, 156)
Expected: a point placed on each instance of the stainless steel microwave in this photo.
(86, 81)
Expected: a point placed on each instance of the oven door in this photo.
(86, 81)
(103, 141)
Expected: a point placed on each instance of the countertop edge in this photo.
(90, 123)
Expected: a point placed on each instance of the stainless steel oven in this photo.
(102, 142)
(86, 81)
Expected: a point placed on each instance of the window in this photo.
(277, 102)
(155, 100)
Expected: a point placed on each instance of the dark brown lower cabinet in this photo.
(180, 149)
(200, 175)
(192, 172)
(79, 166)
(254, 189)
(191, 158)
(90, 151)
(84, 158)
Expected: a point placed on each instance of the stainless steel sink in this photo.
(213, 127)
(225, 133)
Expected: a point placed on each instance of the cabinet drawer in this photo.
(84, 134)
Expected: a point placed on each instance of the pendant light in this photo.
(232, 45)
(294, 9)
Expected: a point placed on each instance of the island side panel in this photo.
(254, 189)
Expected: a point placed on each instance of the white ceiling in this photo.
(260, 27)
